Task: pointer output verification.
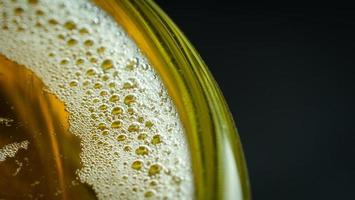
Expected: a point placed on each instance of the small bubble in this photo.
(121, 138)
(101, 50)
(128, 86)
(86, 83)
(142, 136)
(88, 43)
(32, 1)
(114, 98)
(39, 13)
(154, 169)
(104, 93)
(73, 83)
(107, 64)
(117, 111)
(64, 62)
(130, 111)
(131, 65)
(103, 107)
(129, 100)
(156, 139)
(105, 132)
(105, 77)
(93, 60)
(61, 36)
(127, 148)
(177, 179)
(112, 85)
(91, 72)
(97, 85)
(101, 126)
(142, 150)
(149, 124)
(149, 194)
(137, 165)
(140, 119)
(52, 22)
(79, 61)
(72, 42)
(153, 183)
(70, 25)
(133, 128)
(83, 31)
(116, 124)
(18, 11)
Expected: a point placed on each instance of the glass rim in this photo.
(202, 108)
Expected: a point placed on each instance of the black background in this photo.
(287, 74)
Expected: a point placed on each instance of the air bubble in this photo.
(154, 169)
(137, 165)
(88, 43)
(133, 128)
(142, 136)
(116, 124)
(129, 100)
(18, 11)
(83, 31)
(142, 150)
(97, 85)
(80, 61)
(103, 107)
(101, 126)
(121, 138)
(73, 83)
(72, 42)
(114, 98)
(156, 139)
(117, 111)
(107, 64)
(105, 132)
(52, 22)
(91, 72)
(70, 25)
(149, 194)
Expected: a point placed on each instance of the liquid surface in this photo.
(125, 139)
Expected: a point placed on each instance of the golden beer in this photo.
(99, 101)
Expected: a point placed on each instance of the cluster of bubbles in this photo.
(133, 143)
(10, 150)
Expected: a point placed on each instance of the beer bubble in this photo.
(142, 150)
(137, 165)
(114, 98)
(117, 111)
(121, 138)
(107, 64)
(116, 124)
(156, 139)
(154, 169)
(129, 99)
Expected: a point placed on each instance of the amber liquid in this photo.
(47, 168)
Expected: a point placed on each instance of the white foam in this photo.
(10, 150)
(51, 38)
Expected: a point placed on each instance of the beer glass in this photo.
(109, 100)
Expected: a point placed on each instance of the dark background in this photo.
(287, 74)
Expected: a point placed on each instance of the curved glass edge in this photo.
(200, 103)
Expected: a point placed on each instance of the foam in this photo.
(133, 143)
(10, 150)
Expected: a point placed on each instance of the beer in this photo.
(83, 113)
(108, 100)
